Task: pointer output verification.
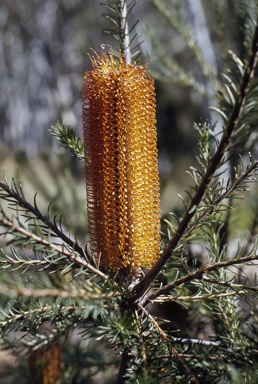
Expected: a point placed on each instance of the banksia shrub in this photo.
(120, 142)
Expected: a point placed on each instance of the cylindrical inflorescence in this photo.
(122, 182)
(47, 364)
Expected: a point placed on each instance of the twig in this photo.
(224, 316)
(55, 293)
(123, 365)
(162, 299)
(160, 331)
(198, 275)
(72, 243)
(236, 287)
(223, 196)
(124, 32)
(165, 338)
(45, 312)
(145, 283)
(207, 343)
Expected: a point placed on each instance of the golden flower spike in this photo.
(46, 364)
(120, 142)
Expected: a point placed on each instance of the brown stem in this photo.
(123, 365)
(198, 275)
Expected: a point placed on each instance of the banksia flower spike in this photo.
(121, 164)
(46, 365)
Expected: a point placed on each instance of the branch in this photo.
(237, 183)
(200, 297)
(20, 200)
(54, 293)
(165, 338)
(207, 343)
(198, 275)
(123, 366)
(68, 139)
(145, 283)
(44, 312)
(237, 287)
(124, 32)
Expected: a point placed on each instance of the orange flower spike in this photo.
(121, 164)
(47, 364)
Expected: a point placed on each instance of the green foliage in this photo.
(118, 12)
(193, 317)
(60, 182)
(69, 140)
